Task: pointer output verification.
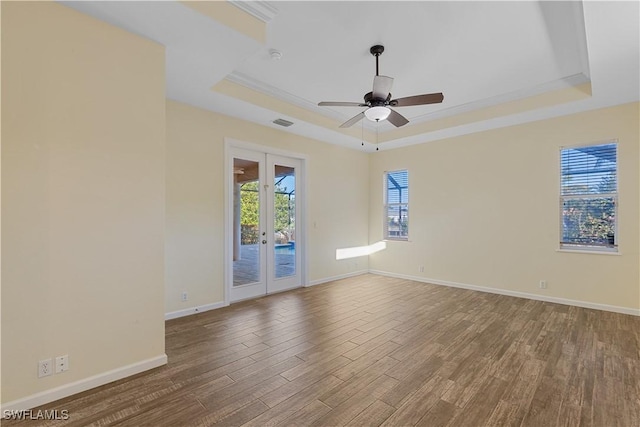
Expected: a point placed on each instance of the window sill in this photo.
(391, 239)
(593, 252)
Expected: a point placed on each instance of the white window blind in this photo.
(589, 197)
(396, 206)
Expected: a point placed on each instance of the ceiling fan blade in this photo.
(382, 86)
(396, 119)
(352, 121)
(341, 104)
(429, 98)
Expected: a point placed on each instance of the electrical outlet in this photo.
(62, 363)
(45, 368)
(421, 269)
(184, 296)
(542, 284)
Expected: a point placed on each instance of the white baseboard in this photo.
(577, 303)
(194, 310)
(333, 278)
(76, 387)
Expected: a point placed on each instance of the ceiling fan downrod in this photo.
(376, 51)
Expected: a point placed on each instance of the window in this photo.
(589, 197)
(396, 205)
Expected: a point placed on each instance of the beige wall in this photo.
(484, 210)
(83, 146)
(338, 201)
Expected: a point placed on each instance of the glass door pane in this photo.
(246, 222)
(284, 220)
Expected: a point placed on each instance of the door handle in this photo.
(264, 242)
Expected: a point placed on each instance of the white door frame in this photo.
(301, 200)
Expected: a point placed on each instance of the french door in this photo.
(265, 240)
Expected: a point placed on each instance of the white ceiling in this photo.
(477, 53)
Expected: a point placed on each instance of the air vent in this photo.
(283, 122)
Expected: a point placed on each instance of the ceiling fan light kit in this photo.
(379, 100)
(375, 114)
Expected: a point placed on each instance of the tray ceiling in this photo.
(497, 63)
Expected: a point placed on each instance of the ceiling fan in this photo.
(379, 100)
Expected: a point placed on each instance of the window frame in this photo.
(387, 205)
(589, 248)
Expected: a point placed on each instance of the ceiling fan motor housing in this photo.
(376, 102)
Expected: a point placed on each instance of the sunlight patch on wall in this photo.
(358, 251)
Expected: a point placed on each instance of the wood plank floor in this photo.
(373, 350)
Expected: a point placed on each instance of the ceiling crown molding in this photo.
(259, 86)
(562, 83)
(262, 10)
(583, 50)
